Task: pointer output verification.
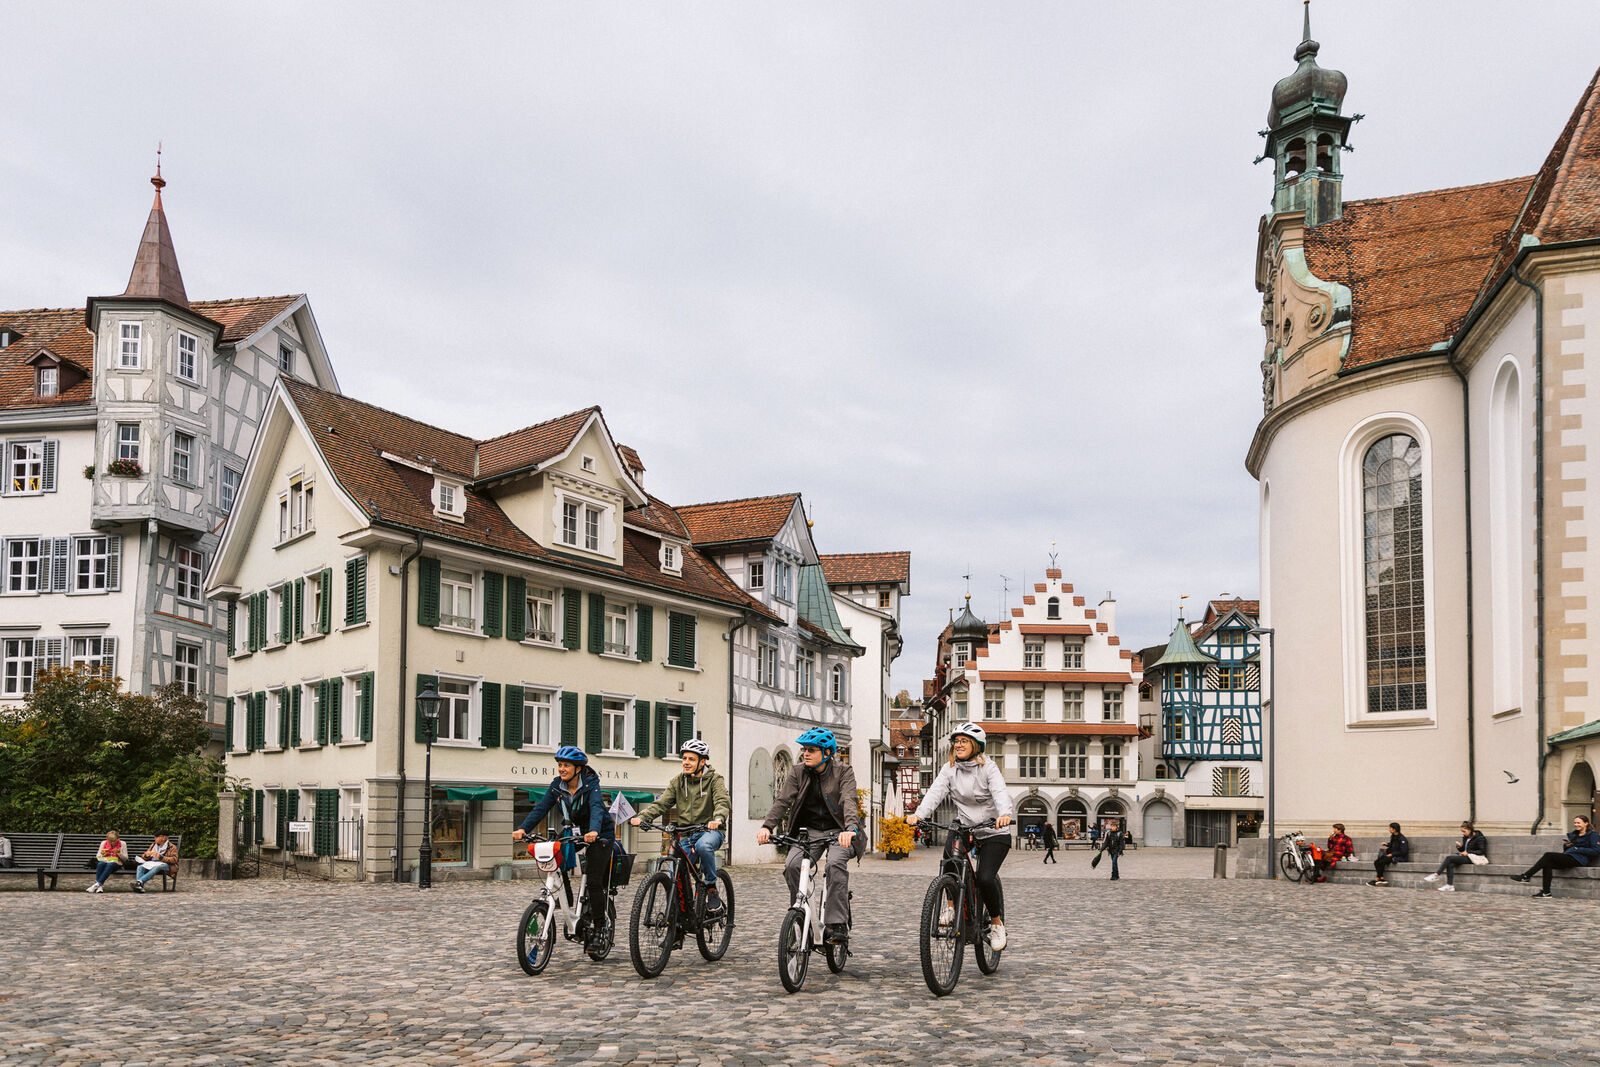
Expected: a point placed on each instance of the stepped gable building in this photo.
(125, 425)
(1428, 458)
(529, 579)
(791, 662)
(1054, 689)
(1200, 729)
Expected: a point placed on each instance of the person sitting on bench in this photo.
(159, 858)
(108, 861)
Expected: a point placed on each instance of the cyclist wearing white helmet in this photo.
(699, 794)
(979, 792)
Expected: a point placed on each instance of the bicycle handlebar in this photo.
(958, 827)
(804, 838)
(674, 829)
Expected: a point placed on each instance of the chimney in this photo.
(1107, 612)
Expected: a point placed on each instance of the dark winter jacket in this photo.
(1585, 848)
(1115, 841)
(838, 784)
(1474, 844)
(1398, 849)
(586, 808)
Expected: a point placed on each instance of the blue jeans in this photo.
(148, 872)
(105, 869)
(1114, 857)
(705, 845)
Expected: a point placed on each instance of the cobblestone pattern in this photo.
(1146, 970)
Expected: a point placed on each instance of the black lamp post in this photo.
(428, 708)
(1272, 743)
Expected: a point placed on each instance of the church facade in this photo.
(1426, 457)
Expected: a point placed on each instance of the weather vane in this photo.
(1052, 555)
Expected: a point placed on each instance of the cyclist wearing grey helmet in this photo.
(819, 795)
(697, 795)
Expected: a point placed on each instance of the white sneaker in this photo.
(997, 936)
(1431, 878)
(92, 887)
(1447, 889)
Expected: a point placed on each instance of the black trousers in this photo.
(597, 872)
(1049, 852)
(991, 854)
(1449, 865)
(1549, 863)
(1381, 864)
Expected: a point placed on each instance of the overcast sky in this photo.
(972, 277)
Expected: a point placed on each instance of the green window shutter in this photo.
(661, 729)
(261, 721)
(285, 612)
(325, 583)
(261, 813)
(322, 712)
(233, 612)
(227, 725)
(494, 606)
(283, 818)
(283, 718)
(646, 632)
(294, 717)
(594, 716)
(299, 608)
(325, 831)
(355, 590)
(641, 728)
(681, 640)
(335, 710)
(368, 682)
(685, 723)
(516, 608)
(427, 592)
(489, 735)
(597, 622)
(261, 619)
(252, 638)
(572, 628)
(569, 718)
(515, 697)
(424, 681)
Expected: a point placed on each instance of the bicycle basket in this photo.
(621, 867)
(546, 853)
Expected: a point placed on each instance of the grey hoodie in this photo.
(978, 790)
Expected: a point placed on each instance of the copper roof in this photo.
(352, 436)
(867, 568)
(1416, 265)
(757, 518)
(155, 273)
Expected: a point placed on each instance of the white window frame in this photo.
(474, 709)
(568, 534)
(540, 596)
(805, 673)
(311, 606)
(47, 382)
(17, 563)
(25, 473)
(350, 708)
(188, 347)
(671, 557)
(241, 722)
(285, 358)
(611, 718)
(1033, 704)
(994, 702)
(1033, 758)
(756, 576)
(129, 446)
(228, 492)
(1033, 654)
(618, 629)
(184, 672)
(783, 580)
(1072, 654)
(309, 693)
(531, 709)
(183, 457)
(89, 651)
(17, 667)
(276, 596)
(767, 672)
(1111, 757)
(454, 584)
(836, 686)
(97, 579)
(591, 528)
(1112, 705)
(130, 346)
(1072, 705)
(1075, 758)
(189, 574)
(271, 719)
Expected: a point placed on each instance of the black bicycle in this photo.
(954, 914)
(672, 902)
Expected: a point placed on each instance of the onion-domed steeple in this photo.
(968, 626)
(1305, 134)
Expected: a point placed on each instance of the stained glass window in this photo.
(1397, 670)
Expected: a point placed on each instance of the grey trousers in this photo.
(838, 909)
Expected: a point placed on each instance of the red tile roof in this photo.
(659, 517)
(530, 445)
(352, 437)
(757, 518)
(1417, 265)
(866, 568)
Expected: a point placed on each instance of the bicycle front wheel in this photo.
(794, 950)
(940, 935)
(1291, 867)
(536, 937)
(650, 928)
(988, 958)
(715, 934)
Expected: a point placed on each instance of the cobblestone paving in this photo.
(1147, 970)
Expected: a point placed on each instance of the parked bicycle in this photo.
(954, 914)
(557, 906)
(800, 933)
(672, 902)
(1298, 860)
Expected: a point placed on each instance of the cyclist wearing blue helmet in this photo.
(819, 795)
(576, 788)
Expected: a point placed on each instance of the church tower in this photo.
(1305, 134)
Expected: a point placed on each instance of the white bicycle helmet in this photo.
(697, 746)
(972, 730)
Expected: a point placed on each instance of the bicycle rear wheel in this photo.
(536, 937)
(650, 927)
(715, 934)
(1291, 868)
(794, 950)
(940, 935)
(988, 958)
(600, 947)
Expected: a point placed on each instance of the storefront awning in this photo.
(472, 792)
(637, 796)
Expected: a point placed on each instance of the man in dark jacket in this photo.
(1049, 836)
(819, 795)
(1398, 850)
(1112, 843)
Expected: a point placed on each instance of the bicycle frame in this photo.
(815, 852)
(685, 872)
(967, 925)
(1296, 846)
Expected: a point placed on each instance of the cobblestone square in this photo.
(1164, 966)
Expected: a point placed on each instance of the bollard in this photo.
(1219, 862)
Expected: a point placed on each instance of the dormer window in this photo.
(449, 499)
(48, 381)
(585, 524)
(671, 557)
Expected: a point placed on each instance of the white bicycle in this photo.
(557, 906)
(801, 932)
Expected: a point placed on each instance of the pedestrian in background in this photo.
(1583, 848)
(1049, 844)
(1112, 842)
(1397, 850)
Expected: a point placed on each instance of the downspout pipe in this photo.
(405, 632)
(733, 627)
(1466, 472)
(1538, 524)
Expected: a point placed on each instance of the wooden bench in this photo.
(35, 854)
(52, 855)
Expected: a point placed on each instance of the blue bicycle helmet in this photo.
(817, 737)
(571, 754)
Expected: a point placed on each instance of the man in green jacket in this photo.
(697, 795)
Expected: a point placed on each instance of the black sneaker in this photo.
(836, 933)
(714, 905)
(1518, 877)
(137, 887)
(1543, 893)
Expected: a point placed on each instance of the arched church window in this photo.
(1391, 483)
(1052, 608)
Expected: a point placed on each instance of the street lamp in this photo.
(1272, 742)
(428, 708)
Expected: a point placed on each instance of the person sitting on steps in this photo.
(1397, 850)
(1583, 848)
(1472, 848)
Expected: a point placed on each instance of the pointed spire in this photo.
(155, 268)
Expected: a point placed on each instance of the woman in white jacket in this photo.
(979, 792)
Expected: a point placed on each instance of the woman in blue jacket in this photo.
(576, 787)
(1583, 848)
